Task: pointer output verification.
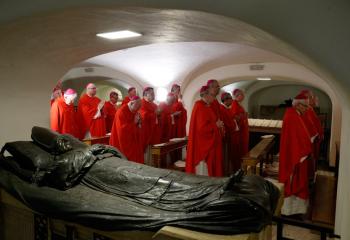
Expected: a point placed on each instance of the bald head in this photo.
(91, 89)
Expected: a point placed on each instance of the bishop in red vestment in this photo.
(295, 151)
(167, 118)
(91, 118)
(126, 131)
(231, 158)
(131, 93)
(179, 114)
(150, 116)
(63, 116)
(241, 117)
(204, 151)
(110, 108)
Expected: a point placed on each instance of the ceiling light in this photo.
(263, 78)
(119, 34)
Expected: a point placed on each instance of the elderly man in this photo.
(204, 151)
(56, 92)
(90, 115)
(241, 117)
(110, 108)
(126, 131)
(214, 89)
(150, 116)
(295, 152)
(179, 114)
(62, 114)
(131, 94)
(167, 119)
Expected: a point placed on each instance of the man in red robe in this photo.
(295, 150)
(131, 94)
(241, 117)
(167, 118)
(63, 116)
(56, 92)
(90, 115)
(231, 160)
(204, 150)
(126, 131)
(179, 114)
(214, 89)
(150, 116)
(110, 108)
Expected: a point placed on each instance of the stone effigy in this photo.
(96, 186)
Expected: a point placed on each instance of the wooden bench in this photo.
(258, 154)
(95, 140)
(159, 152)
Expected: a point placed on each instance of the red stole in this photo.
(126, 135)
(87, 108)
(150, 123)
(238, 111)
(126, 100)
(204, 140)
(166, 122)
(232, 158)
(179, 128)
(109, 109)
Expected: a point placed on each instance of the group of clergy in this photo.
(301, 136)
(218, 133)
(134, 126)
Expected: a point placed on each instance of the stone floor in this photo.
(298, 233)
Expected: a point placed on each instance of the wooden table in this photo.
(268, 130)
(159, 152)
(95, 140)
(258, 154)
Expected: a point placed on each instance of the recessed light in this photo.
(263, 78)
(119, 34)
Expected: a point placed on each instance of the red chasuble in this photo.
(87, 108)
(150, 123)
(126, 100)
(109, 110)
(313, 124)
(204, 140)
(231, 160)
(126, 135)
(243, 126)
(167, 124)
(63, 118)
(179, 128)
(215, 106)
(295, 145)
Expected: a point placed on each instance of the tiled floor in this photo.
(298, 233)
